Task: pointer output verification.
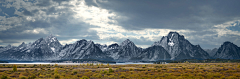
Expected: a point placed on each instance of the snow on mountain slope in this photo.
(2, 49)
(180, 48)
(41, 49)
(173, 46)
(83, 49)
(154, 53)
(124, 52)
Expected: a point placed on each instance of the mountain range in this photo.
(171, 47)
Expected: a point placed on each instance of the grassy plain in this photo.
(132, 71)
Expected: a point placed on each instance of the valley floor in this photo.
(131, 71)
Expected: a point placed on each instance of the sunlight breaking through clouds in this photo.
(222, 29)
(108, 20)
(108, 28)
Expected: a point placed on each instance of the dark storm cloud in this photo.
(199, 17)
(15, 37)
(27, 28)
(209, 42)
(27, 21)
(171, 14)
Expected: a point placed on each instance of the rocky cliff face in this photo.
(173, 46)
(2, 49)
(111, 50)
(123, 52)
(102, 47)
(41, 49)
(127, 50)
(83, 49)
(154, 53)
(180, 48)
(228, 51)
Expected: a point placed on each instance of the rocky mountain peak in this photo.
(90, 42)
(83, 49)
(175, 35)
(154, 53)
(113, 45)
(180, 48)
(23, 44)
(8, 46)
(172, 33)
(126, 51)
(228, 50)
(127, 42)
(198, 45)
(173, 46)
(51, 38)
(81, 41)
(99, 45)
(39, 41)
(65, 46)
(228, 43)
(102, 47)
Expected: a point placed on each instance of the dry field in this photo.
(133, 71)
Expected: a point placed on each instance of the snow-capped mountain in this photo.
(82, 49)
(6, 48)
(126, 50)
(1, 48)
(173, 47)
(112, 50)
(154, 53)
(123, 52)
(211, 52)
(41, 49)
(113, 46)
(102, 47)
(53, 43)
(180, 48)
(106, 48)
(228, 51)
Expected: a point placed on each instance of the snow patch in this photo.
(54, 39)
(28, 50)
(171, 41)
(53, 49)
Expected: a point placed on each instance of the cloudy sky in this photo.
(208, 23)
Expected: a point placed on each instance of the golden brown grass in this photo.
(151, 71)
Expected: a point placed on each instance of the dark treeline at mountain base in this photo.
(82, 61)
(171, 47)
(199, 61)
(3, 61)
